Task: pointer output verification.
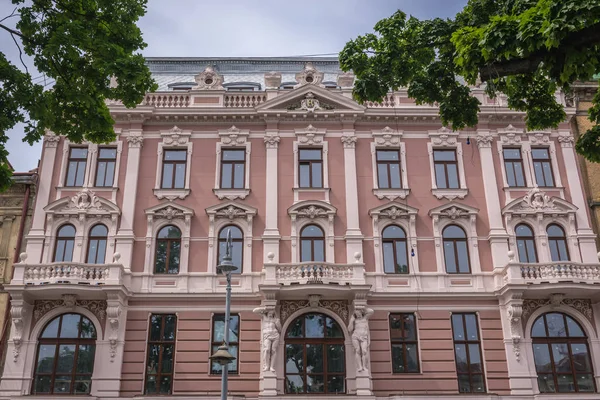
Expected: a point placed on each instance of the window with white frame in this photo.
(236, 218)
(395, 234)
(446, 162)
(173, 166)
(455, 236)
(542, 228)
(232, 177)
(390, 179)
(310, 160)
(167, 238)
(312, 231)
(76, 166)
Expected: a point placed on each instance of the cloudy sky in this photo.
(245, 28)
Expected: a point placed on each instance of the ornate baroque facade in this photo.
(380, 254)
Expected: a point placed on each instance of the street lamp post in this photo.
(222, 355)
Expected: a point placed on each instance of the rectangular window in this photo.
(446, 169)
(161, 352)
(233, 169)
(310, 168)
(513, 165)
(76, 166)
(403, 336)
(218, 338)
(105, 168)
(173, 169)
(467, 353)
(542, 167)
(388, 169)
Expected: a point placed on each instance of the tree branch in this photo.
(584, 38)
(20, 52)
(12, 14)
(14, 32)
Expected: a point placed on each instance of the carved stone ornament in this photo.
(272, 141)
(387, 137)
(310, 136)
(51, 140)
(169, 213)
(454, 213)
(535, 199)
(310, 103)
(272, 80)
(289, 307)
(443, 137)
(510, 135)
(346, 80)
(539, 138)
(96, 307)
(584, 306)
(175, 137)
(208, 80)
(113, 313)
(309, 76)
(514, 312)
(484, 140)
(231, 212)
(17, 313)
(135, 140)
(393, 213)
(234, 136)
(349, 141)
(566, 140)
(312, 212)
(85, 200)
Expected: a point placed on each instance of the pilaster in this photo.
(125, 236)
(271, 235)
(353, 234)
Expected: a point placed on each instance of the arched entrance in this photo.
(314, 360)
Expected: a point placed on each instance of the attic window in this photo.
(287, 85)
(330, 85)
(242, 86)
(181, 86)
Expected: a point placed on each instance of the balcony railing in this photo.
(315, 272)
(552, 272)
(67, 273)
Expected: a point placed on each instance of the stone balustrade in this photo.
(167, 100)
(314, 272)
(243, 100)
(67, 273)
(551, 272)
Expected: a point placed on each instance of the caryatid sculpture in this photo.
(271, 331)
(361, 339)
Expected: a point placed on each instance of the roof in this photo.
(171, 70)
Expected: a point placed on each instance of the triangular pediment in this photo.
(536, 201)
(83, 202)
(230, 210)
(393, 210)
(312, 209)
(169, 210)
(310, 99)
(453, 210)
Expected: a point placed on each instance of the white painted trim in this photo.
(324, 219)
(390, 194)
(311, 137)
(118, 144)
(173, 139)
(232, 194)
(444, 139)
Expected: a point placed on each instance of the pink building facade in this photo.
(380, 254)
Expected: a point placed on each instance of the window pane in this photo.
(62, 384)
(179, 176)
(306, 250)
(101, 254)
(511, 154)
(160, 263)
(312, 231)
(452, 176)
(581, 357)
(401, 258)
(80, 173)
(82, 384)
(464, 384)
(316, 175)
(314, 358)
(463, 257)
(333, 329)
(387, 155)
(541, 355)
(42, 384)
(296, 328)
(539, 174)
(395, 176)
(532, 257)
(398, 358)
(234, 324)
(388, 257)
(546, 384)
(335, 358)
(475, 358)
(585, 382)
(85, 358)
(382, 176)
(560, 353)
(239, 177)
(92, 251)
(108, 153)
(310, 154)
(510, 174)
(100, 174)
(412, 359)
(69, 245)
(410, 329)
(110, 174)
(314, 326)
(66, 358)
(554, 255)
(294, 356)
(548, 174)
(79, 152)
(150, 384)
(226, 177)
(175, 155)
(174, 257)
(167, 359)
(539, 329)
(394, 232)
(522, 250)
(167, 181)
(155, 327)
(519, 174)
(574, 328)
(237, 249)
(315, 384)
(70, 326)
(444, 155)
(449, 257)
(335, 384)
(540, 154)
(471, 323)
(165, 385)
(294, 384)
(304, 176)
(45, 362)
(462, 364)
(87, 329)
(169, 231)
(319, 250)
(51, 330)
(170, 324)
(440, 176)
(71, 173)
(565, 383)
(477, 384)
(230, 155)
(457, 327)
(556, 325)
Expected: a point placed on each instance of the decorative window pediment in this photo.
(537, 202)
(175, 137)
(84, 204)
(234, 136)
(309, 99)
(448, 179)
(387, 137)
(443, 137)
(169, 211)
(539, 138)
(395, 182)
(310, 136)
(510, 136)
(312, 209)
(454, 210)
(177, 140)
(208, 79)
(393, 211)
(235, 140)
(313, 212)
(230, 213)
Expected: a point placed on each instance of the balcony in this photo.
(314, 273)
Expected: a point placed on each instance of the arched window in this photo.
(312, 244)
(456, 253)
(65, 243)
(237, 246)
(561, 354)
(314, 355)
(557, 242)
(168, 250)
(65, 356)
(526, 244)
(96, 252)
(395, 257)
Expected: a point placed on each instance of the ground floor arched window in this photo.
(314, 356)
(562, 355)
(65, 356)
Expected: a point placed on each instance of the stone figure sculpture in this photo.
(271, 331)
(361, 340)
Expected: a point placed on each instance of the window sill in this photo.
(391, 194)
(171, 194)
(311, 190)
(231, 194)
(528, 188)
(450, 194)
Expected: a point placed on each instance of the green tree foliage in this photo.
(78, 45)
(526, 49)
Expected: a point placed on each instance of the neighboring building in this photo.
(469, 253)
(16, 209)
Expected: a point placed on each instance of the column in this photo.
(125, 236)
(36, 236)
(353, 234)
(587, 239)
(498, 235)
(271, 235)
